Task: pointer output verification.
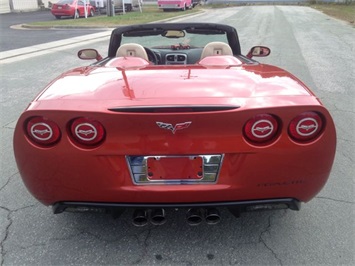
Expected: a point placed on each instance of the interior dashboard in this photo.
(177, 57)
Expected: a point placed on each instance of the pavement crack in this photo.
(336, 200)
(7, 229)
(261, 240)
(7, 181)
(145, 245)
(10, 125)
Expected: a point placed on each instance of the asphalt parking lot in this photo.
(13, 36)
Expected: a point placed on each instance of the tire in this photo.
(58, 17)
(128, 7)
(76, 14)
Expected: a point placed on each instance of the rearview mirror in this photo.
(173, 34)
(259, 51)
(89, 54)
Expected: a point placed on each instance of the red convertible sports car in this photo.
(175, 117)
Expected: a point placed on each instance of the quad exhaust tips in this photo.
(194, 216)
(142, 216)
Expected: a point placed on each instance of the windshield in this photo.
(190, 39)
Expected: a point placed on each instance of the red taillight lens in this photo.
(42, 131)
(87, 132)
(306, 126)
(261, 128)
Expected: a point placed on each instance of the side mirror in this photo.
(89, 54)
(259, 51)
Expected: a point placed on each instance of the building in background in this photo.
(7, 6)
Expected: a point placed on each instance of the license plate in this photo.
(59, 7)
(170, 168)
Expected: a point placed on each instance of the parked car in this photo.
(118, 5)
(195, 3)
(72, 8)
(175, 116)
(175, 4)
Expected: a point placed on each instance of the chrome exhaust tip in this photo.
(158, 217)
(194, 216)
(212, 216)
(140, 217)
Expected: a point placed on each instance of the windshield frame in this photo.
(209, 32)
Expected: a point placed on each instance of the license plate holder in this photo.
(175, 168)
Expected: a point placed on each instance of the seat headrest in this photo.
(132, 49)
(216, 48)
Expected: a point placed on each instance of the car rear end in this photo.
(225, 155)
(63, 8)
(174, 4)
(121, 146)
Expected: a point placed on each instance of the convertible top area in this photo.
(161, 28)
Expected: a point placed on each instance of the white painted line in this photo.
(46, 48)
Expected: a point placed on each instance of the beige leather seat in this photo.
(132, 49)
(216, 48)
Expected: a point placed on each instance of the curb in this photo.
(35, 27)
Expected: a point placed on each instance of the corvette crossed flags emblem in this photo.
(175, 128)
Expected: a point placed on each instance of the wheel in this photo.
(152, 56)
(58, 17)
(92, 13)
(76, 14)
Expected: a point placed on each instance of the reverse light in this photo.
(306, 126)
(87, 132)
(42, 131)
(260, 129)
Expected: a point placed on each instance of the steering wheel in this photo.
(152, 56)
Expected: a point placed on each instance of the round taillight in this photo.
(305, 126)
(87, 132)
(262, 128)
(42, 131)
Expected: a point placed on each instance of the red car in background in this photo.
(72, 8)
(182, 5)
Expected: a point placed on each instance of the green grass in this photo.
(149, 14)
(343, 12)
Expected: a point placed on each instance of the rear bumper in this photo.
(240, 206)
(170, 6)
